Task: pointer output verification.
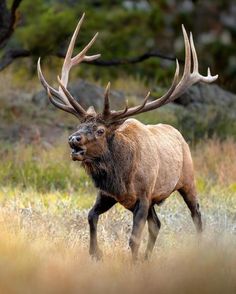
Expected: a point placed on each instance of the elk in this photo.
(130, 163)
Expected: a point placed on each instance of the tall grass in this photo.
(49, 167)
(41, 168)
(215, 161)
(45, 198)
(38, 267)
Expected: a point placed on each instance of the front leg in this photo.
(140, 214)
(102, 204)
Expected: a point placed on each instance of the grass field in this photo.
(45, 199)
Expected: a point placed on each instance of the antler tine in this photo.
(144, 101)
(106, 109)
(165, 98)
(184, 81)
(45, 83)
(60, 105)
(72, 100)
(82, 55)
(187, 63)
(209, 78)
(125, 109)
(69, 62)
(117, 115)
(71, 46)
(135, 109)
(194, 54)
(181, 86)
(187, 66)
(188, 78)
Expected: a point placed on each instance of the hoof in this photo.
(97, 255)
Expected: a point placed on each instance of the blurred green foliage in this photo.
(130, 28)
(40, 169)
(194, 124)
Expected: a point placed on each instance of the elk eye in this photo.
(100, 132)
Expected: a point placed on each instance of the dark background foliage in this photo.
(129, 29)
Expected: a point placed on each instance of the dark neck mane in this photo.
(111, 171)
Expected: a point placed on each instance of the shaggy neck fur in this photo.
(111, 171)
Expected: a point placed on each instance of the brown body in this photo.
(131, 163)
(153, 161)
(138, 166)
(162, 162)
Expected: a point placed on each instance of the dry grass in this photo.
(44, 230)
(41, 267)
(42, 251)
(216, 161)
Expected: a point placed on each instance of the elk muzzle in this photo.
(78, 151)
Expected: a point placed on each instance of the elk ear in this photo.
(91, 111)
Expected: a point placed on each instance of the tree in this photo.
(9, 17)
(130, 32)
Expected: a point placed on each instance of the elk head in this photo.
(91, 139)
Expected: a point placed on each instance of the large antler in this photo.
(176, 90)
(61, 98)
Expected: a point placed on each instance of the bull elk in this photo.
(131, 163)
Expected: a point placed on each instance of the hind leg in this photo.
(190, 198)
(140, 213)
(154, 226)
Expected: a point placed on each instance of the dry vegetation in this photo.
(44, 233)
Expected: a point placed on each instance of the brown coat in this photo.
(161, 161)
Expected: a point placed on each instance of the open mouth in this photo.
(78, 153)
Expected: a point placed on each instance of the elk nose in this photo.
(75, 139)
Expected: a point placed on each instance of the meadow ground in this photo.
(44, 201)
